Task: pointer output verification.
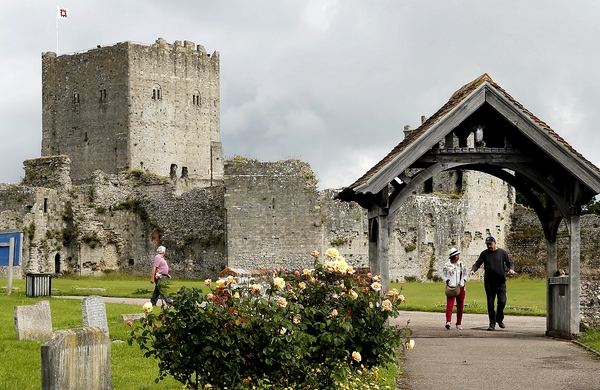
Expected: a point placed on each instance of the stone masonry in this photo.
(133, 106)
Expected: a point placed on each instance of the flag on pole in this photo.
(63, 13)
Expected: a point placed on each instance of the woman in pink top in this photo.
(160, 273)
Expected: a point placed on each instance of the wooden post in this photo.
(379, 244)
(551, 268)
(574, 274)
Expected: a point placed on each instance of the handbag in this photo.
(452, 292)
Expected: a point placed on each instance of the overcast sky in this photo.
(329, 82)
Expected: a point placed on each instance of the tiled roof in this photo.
(457, 97)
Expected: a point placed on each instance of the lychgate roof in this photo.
(511, 135)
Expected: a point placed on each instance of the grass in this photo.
(22, 359)
(591, 338)
(131, 370)
(525, 297)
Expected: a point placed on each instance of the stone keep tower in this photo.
(133, 106)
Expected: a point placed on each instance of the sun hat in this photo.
(453, 252)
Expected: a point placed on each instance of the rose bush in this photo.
(307, 330)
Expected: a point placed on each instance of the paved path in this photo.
(517, 357)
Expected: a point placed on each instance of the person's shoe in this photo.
(448, 326)
(491, 327)
(458, 327)
(501, 324)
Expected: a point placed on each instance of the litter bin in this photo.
(38, 285)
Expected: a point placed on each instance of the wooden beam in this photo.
(476, 157)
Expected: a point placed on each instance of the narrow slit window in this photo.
(157, 92)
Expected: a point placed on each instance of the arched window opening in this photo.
(57, 263)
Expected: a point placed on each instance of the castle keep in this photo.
(132, 106)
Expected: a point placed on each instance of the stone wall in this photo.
(590, 302)
(527, 243)
(114, 224)
(276, 217)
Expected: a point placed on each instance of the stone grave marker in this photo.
(77, 359)
(132, 317)
(93, 312)
(33, 322)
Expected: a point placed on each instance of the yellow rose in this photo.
(332, 253)
(208, 282)
(356, 356)
(297, 318)
(376, 286)
(386, 305)
(220, 283)
(147, 307)
(306, 272)
(282, 302)
(279, 283)
(236, 295)
(410, 344)
(334, 313)
(393, 292)
(255, 287)
(302, 285)
(342, 266)
(230, 279)
(353, 294)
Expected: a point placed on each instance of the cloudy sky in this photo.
(331, 82)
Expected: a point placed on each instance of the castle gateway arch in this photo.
(483, 128)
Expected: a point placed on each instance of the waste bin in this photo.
(38, 285)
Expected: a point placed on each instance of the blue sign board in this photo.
(5, 248)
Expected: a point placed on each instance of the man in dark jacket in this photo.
(494, 261)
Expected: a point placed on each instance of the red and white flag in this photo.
(62, 13)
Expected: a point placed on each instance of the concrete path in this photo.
(517, 357)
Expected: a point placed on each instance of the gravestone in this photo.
(132, 317)
(93, 312)
(77, 359)
(33, 322)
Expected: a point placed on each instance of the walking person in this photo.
(159, 276)
(455, 274)
(495, 260)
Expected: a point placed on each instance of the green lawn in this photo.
(525, 297)
(21, 366)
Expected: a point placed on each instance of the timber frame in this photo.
(483, 128)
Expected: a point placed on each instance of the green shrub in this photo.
(308, 329)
